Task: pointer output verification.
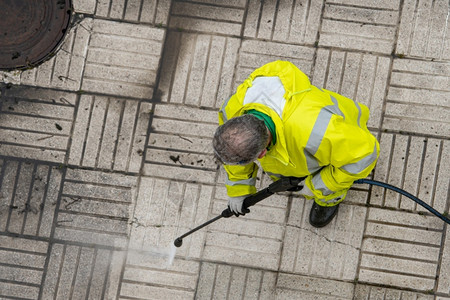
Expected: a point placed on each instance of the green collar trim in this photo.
(269, 123)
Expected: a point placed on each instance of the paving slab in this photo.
(115, 59)
(360, 25)
(444, 268)
(401, 248)
(109, 133)
(367, 292)
(197, 69)
(146, 278)
(95, 208)
(36, 123)
(222, 17)
(417, 164)
(28, 197)
(82, 272)
(180, 139)
(143, 11)
(424, 30)
(249, 241)
(291, 286)
(22, 266)
(290, 21)
(332, 252)
(422, 111)
(219, 281)
(166, 209)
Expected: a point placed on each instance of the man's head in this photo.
(241, 140)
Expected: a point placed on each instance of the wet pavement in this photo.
(106, 157)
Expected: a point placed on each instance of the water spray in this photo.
(292, 184)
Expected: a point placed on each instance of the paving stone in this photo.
(241, 241)
(400, 249)
(358, 76)
(36, 123)
(82, 272)
(254, 54)
(198, 69)
(444, 270)
(109, 133)
(368, 292)
(115, 55)
(223, 17)
(180, 145)
(368, 26)
(167, 209)
(142, 11)
(218, 281)
(146, 277)
(418, 99)
(28, 196)
(22, 263)
(332, 251)
(295, 22)
(415, 164)
(291, 286)
(65, 70)
(84, 6)
(424, 29)
(95, 208)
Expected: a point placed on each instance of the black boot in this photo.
(320, 216)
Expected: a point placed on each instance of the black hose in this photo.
(405, 193)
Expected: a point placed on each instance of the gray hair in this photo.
(240, 140)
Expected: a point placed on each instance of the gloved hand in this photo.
(235, 205)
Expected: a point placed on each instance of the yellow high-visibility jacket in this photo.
(319, 134)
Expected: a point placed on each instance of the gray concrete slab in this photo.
(106, 157)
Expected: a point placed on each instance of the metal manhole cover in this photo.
(31, 30)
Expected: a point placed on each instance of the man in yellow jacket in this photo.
(294, 129)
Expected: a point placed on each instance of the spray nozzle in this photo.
(178, 242)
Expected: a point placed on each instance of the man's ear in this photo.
(261, 155)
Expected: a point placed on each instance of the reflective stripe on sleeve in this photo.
(334, 108)
(359, 113)
(250, 181)
(222, 110)
(359, 166)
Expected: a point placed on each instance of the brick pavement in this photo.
(105, 154)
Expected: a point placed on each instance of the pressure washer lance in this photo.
(292, 184)
(282, 185)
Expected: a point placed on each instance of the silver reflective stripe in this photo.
(273, 174)
(250, 181)
(320, 185)
(311, 162)
(317, 133)
(359, 166)
(334, 200)
(224, 114)
(334, 108)
(315, 138)
(359, 113)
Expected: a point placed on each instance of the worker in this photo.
(293, 129)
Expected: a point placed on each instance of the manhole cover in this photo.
(31, 30)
